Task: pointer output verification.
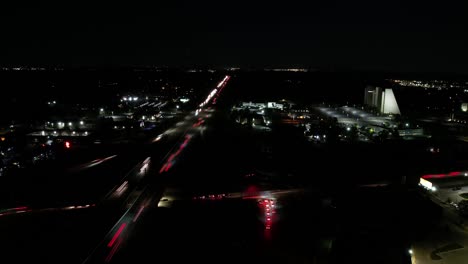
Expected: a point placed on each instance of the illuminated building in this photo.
(453, 180)
(383, 99)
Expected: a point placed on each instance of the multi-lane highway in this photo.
(148, 195)
(88, 217)
(187, 196)
(210, 210)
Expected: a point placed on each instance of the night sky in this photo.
(396, 36)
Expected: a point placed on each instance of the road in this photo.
(147, 194)
(197, 199)
(211, 211)
(78, 217)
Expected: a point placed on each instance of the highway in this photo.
(149, 194)
(79, 222)
(195, 199)
(211, 211)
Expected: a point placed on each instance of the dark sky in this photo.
(376, 35)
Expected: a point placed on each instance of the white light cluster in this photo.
(130, 98)
(209, 97)
(222, 82)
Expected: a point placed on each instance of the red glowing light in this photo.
(163, 168)
(67, 144)
(171, 157)
(113, 250)
(117, 234)
(19, 208)
(441, 175)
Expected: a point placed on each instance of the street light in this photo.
(81, 123)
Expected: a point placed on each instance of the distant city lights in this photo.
(438, 84)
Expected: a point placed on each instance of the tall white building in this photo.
(383, 99)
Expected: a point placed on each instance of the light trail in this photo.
(92, 163)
